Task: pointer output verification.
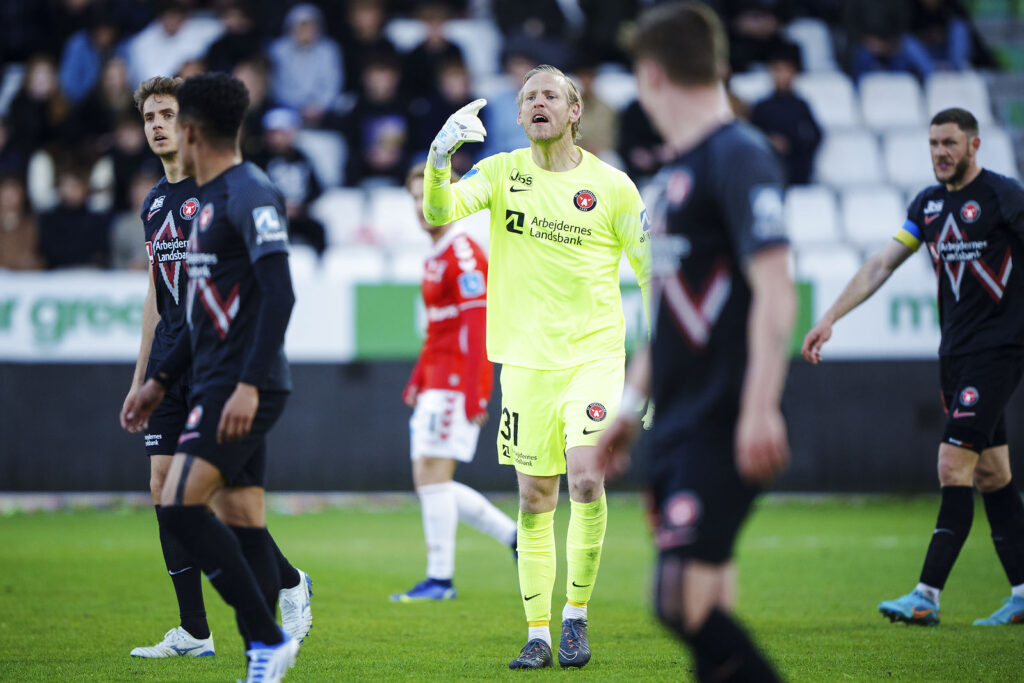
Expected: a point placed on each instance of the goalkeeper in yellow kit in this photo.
(560, 221)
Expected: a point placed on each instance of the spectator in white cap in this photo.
(306, 65)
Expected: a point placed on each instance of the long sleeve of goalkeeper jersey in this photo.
(444, 203)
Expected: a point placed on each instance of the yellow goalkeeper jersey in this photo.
(556, 240)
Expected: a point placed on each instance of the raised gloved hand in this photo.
(462, 126)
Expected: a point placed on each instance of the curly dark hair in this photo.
(215, 101)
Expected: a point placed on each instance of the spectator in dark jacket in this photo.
(70, 234)
(786, 119)
(293, 174)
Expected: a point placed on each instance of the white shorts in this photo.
(438, 427)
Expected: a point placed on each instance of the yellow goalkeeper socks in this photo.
(583, 544)
(537, 564)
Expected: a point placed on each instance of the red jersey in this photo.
(454, 354)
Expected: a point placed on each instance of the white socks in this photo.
(542, 632)
(930, 592)
(479, 513)
(574, 612)
(440, 518)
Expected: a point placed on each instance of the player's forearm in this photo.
(438, 195)
(150, 318)
(638, 372)
(769, 327)
(864, 283)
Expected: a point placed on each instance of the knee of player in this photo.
(586, 487)
(988, 480)
(955, 471)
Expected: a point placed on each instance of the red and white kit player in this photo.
(449, 390)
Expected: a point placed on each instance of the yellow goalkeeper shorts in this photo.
(546, 412)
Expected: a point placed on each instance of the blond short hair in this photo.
(158, 85)
(572, 93)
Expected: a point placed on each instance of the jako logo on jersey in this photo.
(513, 220)
(189, 208)
(471, 285)
(156, 206)
(934, 206)
(597, 412)
(585, 200)
(969, 396)
(194, 417)
(971, 211)
(205, 217)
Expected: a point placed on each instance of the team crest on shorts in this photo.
(585, 200)
(194, 417)
(189, 208)
(597, 412)
(969, 396)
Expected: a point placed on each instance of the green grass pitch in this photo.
(79, 589)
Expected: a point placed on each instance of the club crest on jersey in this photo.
(678, 186)
(969, 396)
(970, 212)
(597, 412)
(205, 217)
(194, 417)
(156, 206)
(189, 208)
(585, 200)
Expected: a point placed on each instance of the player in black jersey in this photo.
(167, 215)
(238, 303)
(717, 360)
(973, 224)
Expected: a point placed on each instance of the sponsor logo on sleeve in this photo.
(766, 211)
(472, 172)
(471, 284)
(268, 224)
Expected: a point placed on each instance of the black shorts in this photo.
(975, 390)
(241, 463)
(167, 421)
(697, 501)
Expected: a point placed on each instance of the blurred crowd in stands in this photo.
(74, 164)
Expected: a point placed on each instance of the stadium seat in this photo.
(848, 158)
(327, 152)
(837, 261)
(480, 42)
(891, 100)
(815, 41)
(872, 215)
(907, 158)
(342, 211)
(360, 263)
(10, 83)
(958, 89)
(831, 98)
(303, 260)
(392, 219)
(405, 33)
(996, 151)
(616, 88)
(811, 216)
(751, 86)
(406, 266)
